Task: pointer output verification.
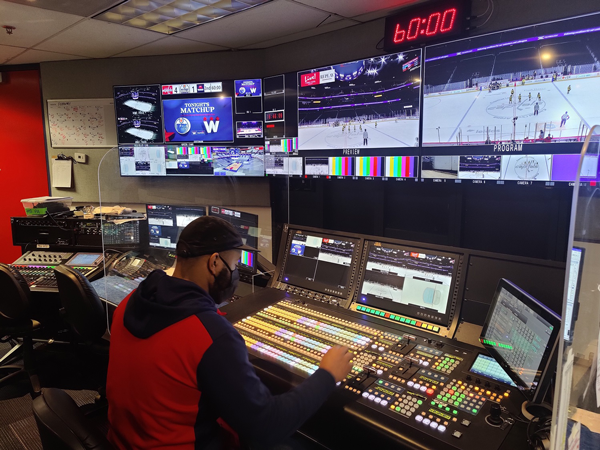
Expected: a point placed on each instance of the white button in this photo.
(381, 349)
(377, 400)
(417, 386)
(426, 421)
(374, 346)
(410, 384)
(419, 418)
(379, 371)
(423, 388)
(365, 394)
(384, 402)
(441, 428)
(425, 363)
(433, 425)
(371, 397)
(338, 383)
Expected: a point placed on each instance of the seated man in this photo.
(179, 375)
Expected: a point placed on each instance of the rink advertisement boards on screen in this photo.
(539, 84)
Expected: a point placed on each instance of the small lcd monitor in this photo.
(248, 96)
(521, 334)
(320, 262)
(165, 223)
(574, 281)
(245, 223)
(249, 129)
(412, 282)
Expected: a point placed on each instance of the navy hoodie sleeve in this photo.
(228, 380)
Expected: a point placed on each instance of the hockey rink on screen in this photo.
(469, 116)
(387, 133)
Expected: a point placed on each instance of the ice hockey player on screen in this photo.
(536, 109)
(530, 96)
(365, 137)
(569, 89)
(564, 118)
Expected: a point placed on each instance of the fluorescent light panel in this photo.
(172, 16)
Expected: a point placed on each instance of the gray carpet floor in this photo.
(18, 430)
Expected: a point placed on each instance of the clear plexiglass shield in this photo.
(576, 415)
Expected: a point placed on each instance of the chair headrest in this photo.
(16, 296)
(63, 425)
(83, 308)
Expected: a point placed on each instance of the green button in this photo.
(380, 381)
(475, 410)
(397, 318)
(419, 402)
(439, 396)
(397, 408)
(413, 322)
(402, 319)
(455, 412)
(456, 403)
(392, 316)
(447, 409)
(462, 395)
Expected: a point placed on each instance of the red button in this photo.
(430, 391)
(387, 314)
(418, 324)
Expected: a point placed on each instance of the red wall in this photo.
(23, 154)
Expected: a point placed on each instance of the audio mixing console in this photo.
(37, 267)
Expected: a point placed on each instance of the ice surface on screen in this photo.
(371, 103)
(539, 84)
(408, 277)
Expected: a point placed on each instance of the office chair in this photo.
(15, 324)
(83, 309)
(63, 426)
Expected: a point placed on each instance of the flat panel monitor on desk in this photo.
(521, 334)
(321, 263)
(165, 223)
(411, 286)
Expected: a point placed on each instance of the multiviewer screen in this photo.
(165, 223)
(408, 281)
(320, 263)
(519, 335)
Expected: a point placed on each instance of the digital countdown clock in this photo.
(426, 23)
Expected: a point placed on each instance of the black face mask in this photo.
(225, 284)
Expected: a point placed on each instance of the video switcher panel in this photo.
(450, 392)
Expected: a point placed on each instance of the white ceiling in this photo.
(54, 30)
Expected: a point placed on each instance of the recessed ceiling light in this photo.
(173, 16)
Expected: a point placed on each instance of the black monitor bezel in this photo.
(158, 247)
(547, 314)
(315, 286)
(398, 308)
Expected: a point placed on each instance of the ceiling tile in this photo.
(33, 25)
(303, 34)
(259, 24)
(98, 39)
(352, 8)
(83, 8)
(171, 45)
(7, 53)
(37, 56)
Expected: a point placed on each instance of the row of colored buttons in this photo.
(405, 320)
(434, 425)
(418, 387)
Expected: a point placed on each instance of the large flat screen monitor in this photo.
(138, 114)
(165, 223)
(521, 334)
(409, 281)
(245, 223)
(320, 262)
(370, 103)
(534, 84)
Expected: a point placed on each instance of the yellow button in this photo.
(430, 327)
